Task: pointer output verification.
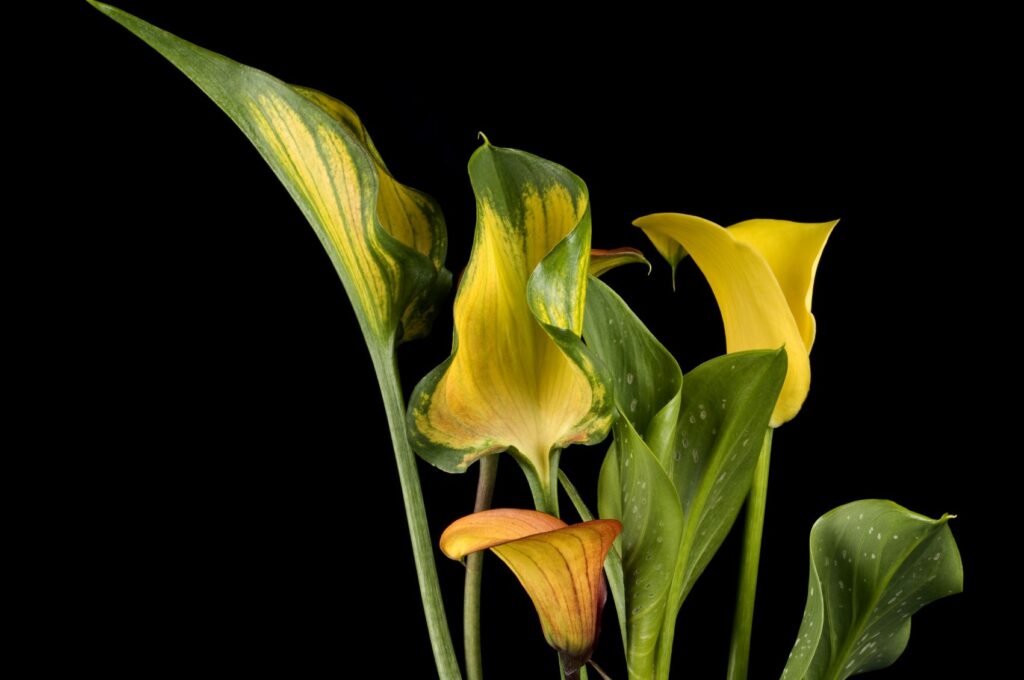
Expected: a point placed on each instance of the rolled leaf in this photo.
(873, 565)
(519, 378)
(386, 240)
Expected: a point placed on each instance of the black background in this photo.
(247, 515)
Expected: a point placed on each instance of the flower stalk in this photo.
(416, 517)
(743, 622)
(474, 575)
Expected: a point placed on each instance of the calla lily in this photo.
(559, 565)
(519, 378)
(386, 240)
(762, 275)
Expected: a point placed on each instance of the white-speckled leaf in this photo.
(652, 521)
(674, 511)
(873, 565)
(723, 416)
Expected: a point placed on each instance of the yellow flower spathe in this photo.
(762, 274)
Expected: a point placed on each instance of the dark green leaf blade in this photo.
(723, 418)
(641, 475)
(873, 565)
(652, 521)
(645, 375)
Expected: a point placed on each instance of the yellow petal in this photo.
(670, 249)
(755, 312)
(519, 377)
(792, 251)
(559, 566)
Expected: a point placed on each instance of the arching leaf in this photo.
(873, 565)
(386, 240)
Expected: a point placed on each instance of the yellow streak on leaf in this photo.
(320, 164)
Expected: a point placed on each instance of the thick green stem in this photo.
(474, 575)
(416, 517)
(739, 648)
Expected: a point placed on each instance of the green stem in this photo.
(474, 575)
(666, 640)
(545, 492)
(416, 517)
(739, 648)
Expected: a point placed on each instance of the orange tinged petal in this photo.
(559, 565)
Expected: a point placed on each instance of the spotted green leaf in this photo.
(723, 417)
(652, 520)
(677, 489)
(873, 565)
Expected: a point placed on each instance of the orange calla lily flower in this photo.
(559, 565)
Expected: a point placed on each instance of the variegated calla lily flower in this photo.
(559, 565)
(386, 240)
(519, 378)
(762, 275)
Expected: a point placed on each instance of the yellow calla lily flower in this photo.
(560, 566)
(762, 275)
(519, 377)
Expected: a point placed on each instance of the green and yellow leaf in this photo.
(560, 566)
(386, 240)
(873, 565)
(519, 378)
(762, 274)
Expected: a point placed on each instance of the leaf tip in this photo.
(481, 135)
(103, 7)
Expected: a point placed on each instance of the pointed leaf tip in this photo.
(386, 240)
(873, 564)
(519, 377)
